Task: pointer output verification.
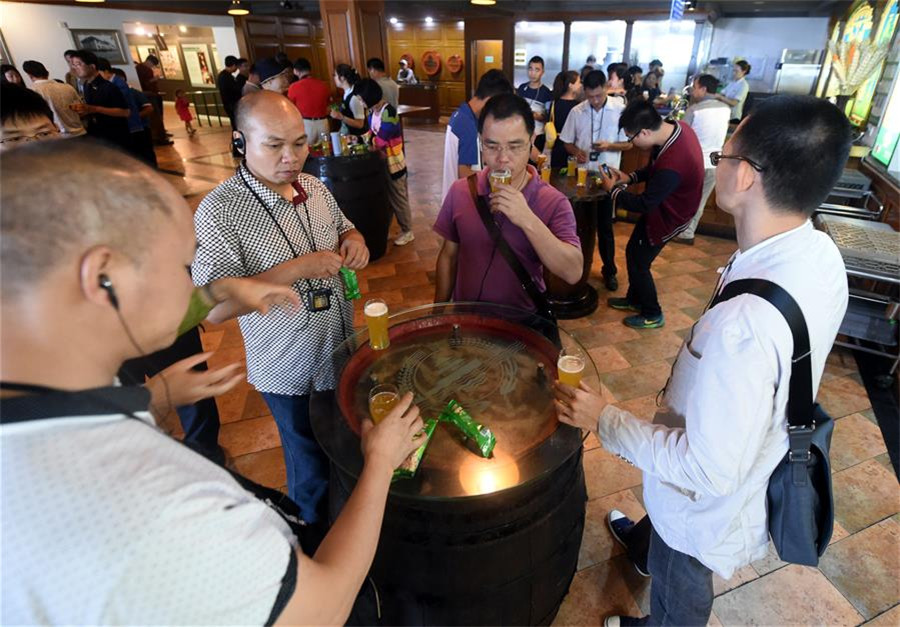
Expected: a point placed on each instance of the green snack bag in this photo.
(197, 311)
(351, 284)
(457, 416)
(407, 470)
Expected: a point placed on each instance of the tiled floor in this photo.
(859, 577)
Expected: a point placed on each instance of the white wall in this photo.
(34, 32)
(761, 41)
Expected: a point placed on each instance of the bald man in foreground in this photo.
(272, 222)
(106, 520)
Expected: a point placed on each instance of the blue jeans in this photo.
(681, 592)
(304, 459)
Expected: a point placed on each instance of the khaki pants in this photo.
(709, 183)
(399, 199)
(314, 128)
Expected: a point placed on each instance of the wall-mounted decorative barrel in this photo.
(431, 62)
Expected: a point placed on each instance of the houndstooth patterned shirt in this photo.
(236, 237)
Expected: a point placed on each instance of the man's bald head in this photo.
(275, 142)
(63, 198)
(261, 107)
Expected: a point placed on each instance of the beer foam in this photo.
(570, 364)
(375, 309)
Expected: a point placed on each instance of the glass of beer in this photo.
(376, 314)
(545, 173)
(382, 399)
(571, 166)
(500, 177)
(582, 176)
(541, 160)
(570, 366)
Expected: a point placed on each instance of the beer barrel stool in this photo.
(358, 184)
(575, 301)
(468, 540)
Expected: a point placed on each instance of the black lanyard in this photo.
(602, 113)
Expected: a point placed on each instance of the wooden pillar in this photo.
(354, 31)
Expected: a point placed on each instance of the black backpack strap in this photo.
(800, 395)
(484, 212)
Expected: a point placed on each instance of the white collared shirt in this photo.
(59, 96)
(721, 428)
(584, 126)
(709, 118)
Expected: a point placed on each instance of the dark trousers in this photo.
(142, 147)
(304, 460)
(681, 592)
(540, 141)
(200, 421)
(606, 241)
(639, 256)
(157, 125)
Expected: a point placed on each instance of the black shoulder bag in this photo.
(540, 301)
(799, 499)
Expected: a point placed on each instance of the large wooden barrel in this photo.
(359, 185)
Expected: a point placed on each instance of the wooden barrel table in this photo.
(359, 185)
(579, 300)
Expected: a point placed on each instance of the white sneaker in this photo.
(405, 238)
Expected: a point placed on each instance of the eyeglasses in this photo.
(512, 149)
(21, 139)
(715, 157)
(631, 139)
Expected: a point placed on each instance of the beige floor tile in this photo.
(769, 563)
(891, 618)
(865, 568)
(606, 474)
(608, 359)
(598, 544)
(659, 345)
(864, 495)
(740, 577)
(842, 396)
(265, 467)
(793, 595)
(596, 593)
(249, 436)
(638, 381)
(855, 440)
(644, 407)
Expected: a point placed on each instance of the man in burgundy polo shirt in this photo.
(311, 96)
(674, 183)
(534, 218)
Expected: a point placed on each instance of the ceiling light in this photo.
(460, 24)
(485, 3)
(237, 9)
(182, 28)
(429, 20)
(393, 20)
(140, 31)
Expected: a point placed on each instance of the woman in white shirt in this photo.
(352, 114)
(735, 93)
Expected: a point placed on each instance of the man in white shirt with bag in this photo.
(721, 429)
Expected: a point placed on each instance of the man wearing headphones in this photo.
(106, 520)
(272, 222)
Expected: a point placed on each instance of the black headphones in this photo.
(239, 143)
(106, 284)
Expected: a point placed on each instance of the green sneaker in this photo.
(621, 304)
(640, 322)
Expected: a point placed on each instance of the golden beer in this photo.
(376, 313)
(500, 177)
(582, 176)
(571, 369)
(382, 399)
(571, 166)
(545, 173)
(541, 160)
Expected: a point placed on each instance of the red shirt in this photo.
(310, 96)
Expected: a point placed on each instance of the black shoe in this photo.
(168, 142)
(611, 282)
(620, 526)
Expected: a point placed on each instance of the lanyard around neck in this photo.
(602, 113)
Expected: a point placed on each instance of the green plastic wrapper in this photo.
(351, 284)
(196, 313)
(410, 465)
(460, 418)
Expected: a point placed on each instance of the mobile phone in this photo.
(606, 170)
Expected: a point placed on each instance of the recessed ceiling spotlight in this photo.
(393, 20)
(429, 20)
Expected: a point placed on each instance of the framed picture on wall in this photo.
(171, 64)
(216, 59)
(5, 56)
(135, 55)
(103, 43)
(146, 51)
(197, 61)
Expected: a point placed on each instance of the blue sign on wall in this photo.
(677, 10)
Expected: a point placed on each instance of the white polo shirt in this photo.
(709, 118)
(584, 126)
(106, 520)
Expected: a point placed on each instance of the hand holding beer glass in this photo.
(376, 314)
(500, 177)
(570, 366)
(382, 399)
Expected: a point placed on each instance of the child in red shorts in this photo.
(183, 107)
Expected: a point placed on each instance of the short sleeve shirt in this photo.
(584, 126)
(461, 145)
(60, 96)
(106, 520)
(539, 100)
(737, 90)
(482, 274)
(237, 237)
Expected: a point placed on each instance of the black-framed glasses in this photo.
(631, 139)
(715, 157)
